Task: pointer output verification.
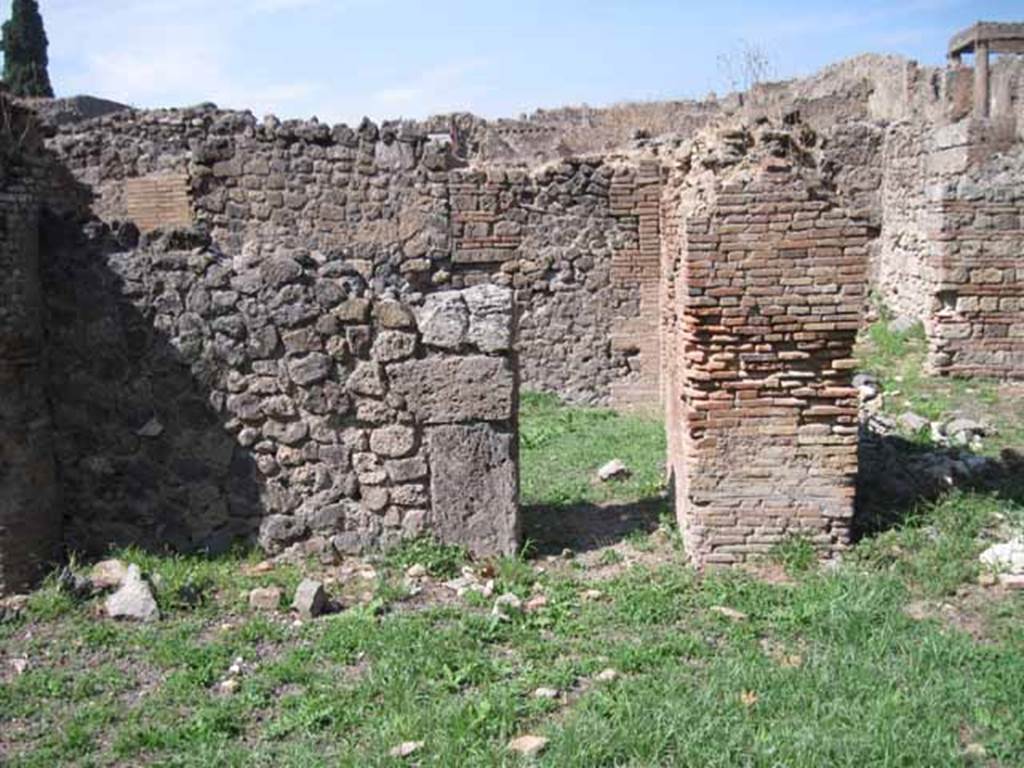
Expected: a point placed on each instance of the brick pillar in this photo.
(769, 283)
(636, 198)
(981, 80)
(30, 523)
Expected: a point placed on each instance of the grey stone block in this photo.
(474, 488)
(450, 390)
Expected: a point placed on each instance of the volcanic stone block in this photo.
(474, 488)
(490, 312)
(449, 390)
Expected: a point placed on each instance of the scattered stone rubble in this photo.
(310, 599)
(1008, 557)
(266, 598)
(528, 746)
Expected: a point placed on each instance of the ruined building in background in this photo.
(214, 327)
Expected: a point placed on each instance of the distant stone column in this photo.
(981, 80)
(30, 521)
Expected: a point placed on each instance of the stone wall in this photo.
(976, 316)
(577, 240)
(951, 238)
(903, 272)
(768, 276)
(204, 394)
(203, 399)
(314, 335)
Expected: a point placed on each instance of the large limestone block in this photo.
(480, 316)
(444, 320)
(490, 317)
(474, 488)
(448, 390)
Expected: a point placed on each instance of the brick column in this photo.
(30, 523)
(770, 279)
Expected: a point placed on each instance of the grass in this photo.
(562, 448)
(894, 658)
(897, 359)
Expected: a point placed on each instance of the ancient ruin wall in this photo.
(262, 365)
(202, 400)
(950, 242)
(976, 317)
(768, 279)
(577, 240)
(903, 274)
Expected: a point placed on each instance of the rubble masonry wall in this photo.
(576, 239)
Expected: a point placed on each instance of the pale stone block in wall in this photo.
(474, 488)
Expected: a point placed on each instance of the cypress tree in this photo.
(24, 45)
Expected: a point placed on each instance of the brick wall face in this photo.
(976, 319)
(767, 284)
(159, 202)
(952, 234)
(30, 522)
(638, 271)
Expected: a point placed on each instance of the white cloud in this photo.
(180, 72)
(447, 88)
(273, 6)
(165, 53)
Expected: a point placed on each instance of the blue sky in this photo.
(341, 59)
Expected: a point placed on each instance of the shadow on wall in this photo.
(143, 454)
(897, 476)
(585, 527)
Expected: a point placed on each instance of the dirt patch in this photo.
(968, 611)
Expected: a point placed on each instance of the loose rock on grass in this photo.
(507, 606)
(265, 598)
(613, 470)
(108, 574)
(310, 599)
(528, 746)
(406, 749)
(1007, 557)
(134, 600)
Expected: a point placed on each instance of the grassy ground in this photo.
(897, 359)
(563, 447)
(895, 658)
